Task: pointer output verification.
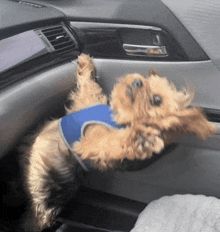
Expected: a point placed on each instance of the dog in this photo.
(143, 114)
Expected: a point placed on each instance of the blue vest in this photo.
(72, 126)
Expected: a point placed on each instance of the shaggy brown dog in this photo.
(151, 110)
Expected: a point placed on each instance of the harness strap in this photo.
(73, 153)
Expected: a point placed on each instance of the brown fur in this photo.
(51, 172)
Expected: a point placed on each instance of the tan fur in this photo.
(148, 127)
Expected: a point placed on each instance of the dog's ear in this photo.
(193, 121)
(153, 72)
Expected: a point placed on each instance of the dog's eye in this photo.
(137, 83)
(156, 101)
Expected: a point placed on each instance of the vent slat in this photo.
(63, 43)
(65, 48)
(52, 29)
(54, 32)
(54, 41)
(52, 37)
(60, 46)
(59, 38)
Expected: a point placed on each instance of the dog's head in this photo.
(154, 101)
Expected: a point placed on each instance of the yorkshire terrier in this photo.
(143, 115)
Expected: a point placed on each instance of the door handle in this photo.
(145, 50)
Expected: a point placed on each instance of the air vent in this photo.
(58, 38)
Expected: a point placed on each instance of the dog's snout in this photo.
(137, 83)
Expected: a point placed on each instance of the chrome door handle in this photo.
(145, 50)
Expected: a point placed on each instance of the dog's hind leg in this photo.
(51, 181)
(88, 90)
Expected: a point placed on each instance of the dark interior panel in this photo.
(123, 41)
(99, 211)
(201, 19)
(19, 17)
(151, 12)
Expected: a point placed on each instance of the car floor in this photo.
(89, 210)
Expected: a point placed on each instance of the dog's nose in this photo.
(156, 101)
(137, 83)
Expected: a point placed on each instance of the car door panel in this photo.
(201, 19)
(25, 17)
(190, 168)
(148, 13)
(186, 170)
(26, 103)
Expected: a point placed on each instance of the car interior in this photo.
(40, 41)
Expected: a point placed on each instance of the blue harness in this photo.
(72, 126)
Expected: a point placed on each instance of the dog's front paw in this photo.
(148, 141)
(86, 66)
